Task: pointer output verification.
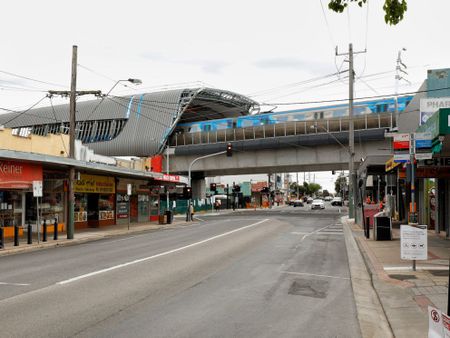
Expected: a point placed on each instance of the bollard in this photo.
(44, 232)
(367, 227)
(2, 238)
(30, 234)
(55, 230)
(16, 235)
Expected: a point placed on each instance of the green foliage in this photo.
(394, 9)
(340, 183)
(325, 193)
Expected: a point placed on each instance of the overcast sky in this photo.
(245, 46)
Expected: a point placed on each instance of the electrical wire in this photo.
(357, 98)
(61, 135)
(22, 112)
(31, 79)
(294, 84)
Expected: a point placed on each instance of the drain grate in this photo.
(403, 277)
(314, 288)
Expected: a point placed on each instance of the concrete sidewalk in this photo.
(405, 294)
(82, 235)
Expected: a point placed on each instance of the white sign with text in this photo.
(413, 242)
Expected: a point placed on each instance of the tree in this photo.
(393, 9)
(340, 183)
(313, 188)
(325, 193)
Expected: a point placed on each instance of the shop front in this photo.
(16, 181)
(94, 201)
(137, 207)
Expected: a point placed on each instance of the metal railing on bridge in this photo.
(291, 128)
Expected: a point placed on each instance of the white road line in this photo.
(14, 284)
(115, 267)
(312, 233)
(406, 268)
(312, 274)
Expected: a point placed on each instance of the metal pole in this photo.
(167, 171)
(351, 140)
(71, 197)
(413, 183)
(190, 180)
(38, 225)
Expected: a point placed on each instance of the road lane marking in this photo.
(115, 267)
(14, 284)
(312, 233)
(312, 274)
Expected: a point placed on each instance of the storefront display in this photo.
(95, 200)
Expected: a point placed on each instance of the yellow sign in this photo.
(390, 164)
(95, 184)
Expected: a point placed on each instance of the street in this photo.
(282, 272)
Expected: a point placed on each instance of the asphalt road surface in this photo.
(279, 273)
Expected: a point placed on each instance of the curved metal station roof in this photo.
(136, 125)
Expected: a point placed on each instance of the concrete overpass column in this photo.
(198, 188)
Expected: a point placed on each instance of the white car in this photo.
(317, 204)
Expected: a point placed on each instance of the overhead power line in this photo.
(31, 79)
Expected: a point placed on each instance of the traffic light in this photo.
(229, 150)
(213, 187)
(265, 190)
(236, 188)
(187, 192)
(333, 172)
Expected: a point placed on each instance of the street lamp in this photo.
(133, 81)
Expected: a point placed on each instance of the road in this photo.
(279, 273)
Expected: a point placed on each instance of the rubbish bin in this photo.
(161, 219)
(382, 227)
(169, 216)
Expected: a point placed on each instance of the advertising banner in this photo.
(18, 175)
(95, 184)
(431, 105)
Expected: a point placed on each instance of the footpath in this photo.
(403, 295)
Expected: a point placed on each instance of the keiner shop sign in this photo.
(19, 175)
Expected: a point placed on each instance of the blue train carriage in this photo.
(208, 125)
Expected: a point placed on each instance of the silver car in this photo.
(317, 204)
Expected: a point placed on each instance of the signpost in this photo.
(37, 192)
(129, 190)
(413, 242)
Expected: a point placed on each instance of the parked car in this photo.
(337, 201)
(309, 200)
(298, 203)
(317, 204)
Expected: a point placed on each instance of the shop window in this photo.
(80, 208)
(53, 200)
(106, 207)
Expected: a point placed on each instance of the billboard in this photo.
(431, 105)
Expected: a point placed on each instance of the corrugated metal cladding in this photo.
(150, 117)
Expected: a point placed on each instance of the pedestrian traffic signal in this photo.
(187, 192)
(229, 150)
(213, 187)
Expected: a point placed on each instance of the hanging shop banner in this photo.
(413, 242)
(95, 184)
(401, 141)
(390, 164)
(122, 206)
(18, 175)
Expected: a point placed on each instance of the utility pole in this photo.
(72, 94)
(351, 138)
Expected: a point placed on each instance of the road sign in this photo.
(423, 140)
(413, 242)
(37, 188)
(424, 156)
(401, 158)
(401, 141)
(129, 189)
(438, 323)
